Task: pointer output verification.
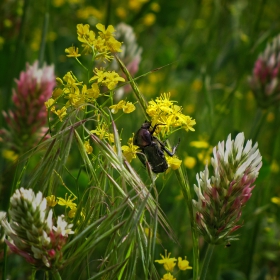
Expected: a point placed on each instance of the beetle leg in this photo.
(171, 154)
(154, 128)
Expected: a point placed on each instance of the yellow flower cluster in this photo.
(170, 263)
(78, 93)
(67, 202)
(101, 46)
(164, 111)
(75, 92)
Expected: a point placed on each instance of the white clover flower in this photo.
(220, 199)
(31, 231)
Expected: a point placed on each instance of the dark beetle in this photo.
(152, 148)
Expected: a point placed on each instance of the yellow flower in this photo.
(114, 45)
(274, 167)
(116, 107)
(173, 162)
(102, 132)
(130, 151)
(51, 200)
(128, 107)
(107, 78)
(276, 200)
(189, 162)
(168, 263)
(72, 52)
(71, 80)
(56, 93)
(61, 113)
(87, 11)
(72, 212)
(163, 110)
(196, 85)
(88, 147)
(107, 34)
(9, 155)
(149, 19)
(49, 104)
(183, 264)
(84, 32)
(121, 12)
(168, 276)
(199, 144)
(136, 5)
(112, 79)
(155, 7)
(58, 3)
(93, 92)
(68, 202)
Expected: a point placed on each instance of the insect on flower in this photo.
(152, 148)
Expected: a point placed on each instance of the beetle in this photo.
(152, 148)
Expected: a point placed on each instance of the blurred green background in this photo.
(208, 49)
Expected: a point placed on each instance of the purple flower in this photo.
(264, 81)
(26, 120)
(222, 197)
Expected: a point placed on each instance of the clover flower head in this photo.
(264, 81)
(32, 231)
(220, 198)
(26, 121)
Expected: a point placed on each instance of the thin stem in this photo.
(56, 275)
(18, 50)
(257, 125)
(44, 35)
(139, 96)
(206, 262)
(4, 272)
(33, 274)
(185, 187)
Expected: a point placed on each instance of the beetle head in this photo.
(146, 125)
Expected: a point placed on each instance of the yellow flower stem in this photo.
(80, 63)
(64, 184)
(185, 187)
(139, 96)
(206, 262)
(258, 123)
